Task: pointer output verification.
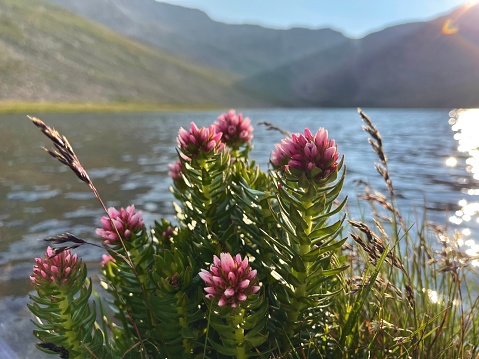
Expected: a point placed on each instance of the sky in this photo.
(354, 18)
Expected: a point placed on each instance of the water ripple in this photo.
(32, 196)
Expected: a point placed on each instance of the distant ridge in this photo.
(409, 65)
(160, 52)
(243, 49)
(50, 54)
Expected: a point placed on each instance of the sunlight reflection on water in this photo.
(465, 124)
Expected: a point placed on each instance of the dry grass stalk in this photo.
(381, 199)
(451, 257)
(64, 151)
(269, 126)
(376, 143)
(383, 285)
(374, 246)
(66, 238)
(410, 296)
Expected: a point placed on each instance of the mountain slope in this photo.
(426, 68)
(53, 55)
(49, 54)
(410, 65)
(243, 49)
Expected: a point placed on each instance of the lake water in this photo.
(433, 156)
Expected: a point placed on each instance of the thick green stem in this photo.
(71, 335)
(239, 335)
(306, 247)
(183, 321)
(203, 164)
(300, 291)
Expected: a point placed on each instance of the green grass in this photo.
(407, 289)
(51, 55)
(9, 107)
(412, 292)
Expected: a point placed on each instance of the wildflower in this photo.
(199, 140)
(175, 280)
(168, 233)
(236, 129)
(175, 170)
(126, 222)
(312, 155)
(229, 278)
(105, 259)
(54, 268)
(176, 173)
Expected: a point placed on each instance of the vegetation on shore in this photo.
(9, 107)
(291, 273)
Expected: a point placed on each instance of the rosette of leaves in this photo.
(129, 282)
(176, 305)
(205, 206)
(307, 252)
(307, 271)
(238, 330)
(66, 321)
(237, 313)
(253, 216)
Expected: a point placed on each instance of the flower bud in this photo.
(125, 222)
(314, 157)
(230, 279)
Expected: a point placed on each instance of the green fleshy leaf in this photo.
(291, 279)
(254, 340)
(330, 213)
(320, 233)
(314, 254)
(222, 349)
(327, 272)
(297, 263)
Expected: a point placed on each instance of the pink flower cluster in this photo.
(236, 129)
(231, 130)
(126, 222)
(57, 269)
(231, 279)
(105, 259)
(175, 170)
(314, 155)
(199, 140)
(168, 233)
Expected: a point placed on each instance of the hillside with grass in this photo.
(48, 54)
(243, 49)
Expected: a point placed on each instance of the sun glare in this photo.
(449, 26)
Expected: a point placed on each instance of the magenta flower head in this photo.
(199, 140)
(168, 233)
(230, 279)
(175, 170)
(126, 221)
(105, 259)
(55, 269)
(314, 156)
(236, 129)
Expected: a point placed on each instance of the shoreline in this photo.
(16, 107)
